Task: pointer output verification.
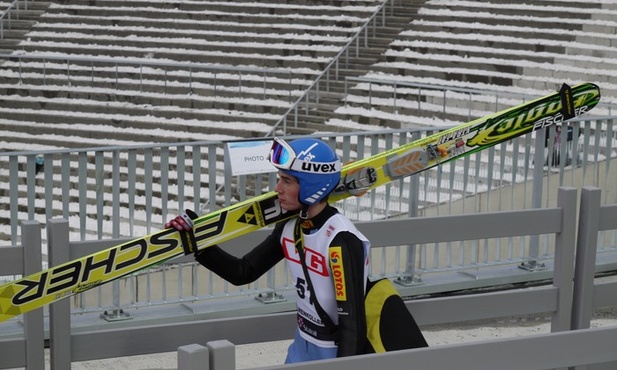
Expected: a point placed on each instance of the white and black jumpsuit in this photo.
(336, 255)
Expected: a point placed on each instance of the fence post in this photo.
(409, 276)
(33, 320)
(536, 202)
(222, 355)
(564, 259)
(586, 248)
(193, 357)
(60, 311)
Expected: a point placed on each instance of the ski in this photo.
(357, 178)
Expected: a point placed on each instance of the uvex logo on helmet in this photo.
(319, 167)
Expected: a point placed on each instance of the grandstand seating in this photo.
(147, 71)
(500, 46)
(468, 44)
(16, 20)
(281, 46)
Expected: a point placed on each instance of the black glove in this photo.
(184, 224)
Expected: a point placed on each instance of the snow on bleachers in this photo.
(497, 45)
(500, 46)
(294, 38)
(465, 43)
(527, 48)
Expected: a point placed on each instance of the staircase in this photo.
(244, 65)
(370, 51)
(500, 46)
(18, 22)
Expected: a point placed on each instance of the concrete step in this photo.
(305, 9)
(180, 54)
(38, 97)
(248, 48)
(519, 11)
(454, 29)
(472, 76)
(70, 30)
(291, 3)
(478, 45)
(196, 25)
(494, 20)
(126, 128)
(253, 13)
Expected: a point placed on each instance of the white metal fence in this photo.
(124, 192)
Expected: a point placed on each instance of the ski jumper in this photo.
(327, 235)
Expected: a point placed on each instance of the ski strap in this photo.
(189, 243)
(567, 102)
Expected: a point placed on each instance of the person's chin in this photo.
(288, 206)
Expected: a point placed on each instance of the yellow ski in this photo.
(53, 284)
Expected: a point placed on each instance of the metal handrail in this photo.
(326, 72)
(143, 62)
(497, 94)
(7, 13)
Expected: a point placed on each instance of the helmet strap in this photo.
(304, 212)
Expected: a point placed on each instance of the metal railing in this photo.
(6, 16)
(124, 192)
(332, 69)
(443, 103)
(429, 98)
(160, 76)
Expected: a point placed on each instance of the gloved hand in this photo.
(183, 222)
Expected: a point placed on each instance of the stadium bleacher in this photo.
(469, 44)
(150, 72)
(500, 45)
(263, 55)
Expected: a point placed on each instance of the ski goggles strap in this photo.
(283, 157)
(316, 167)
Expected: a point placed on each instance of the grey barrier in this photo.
(81, 343)
(586, 349)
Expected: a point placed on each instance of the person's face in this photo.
(288, 188)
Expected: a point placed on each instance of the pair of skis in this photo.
(58, 282)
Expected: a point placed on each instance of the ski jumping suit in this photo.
(330, 240)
